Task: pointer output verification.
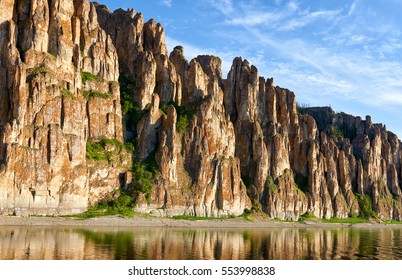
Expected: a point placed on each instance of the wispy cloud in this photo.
(276, 19)
(224, 6)
(338, 55)
(255, 18)
(306, 18)
(167, 3)
(352, 8)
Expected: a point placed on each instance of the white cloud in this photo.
(352, 8)
(224, 6)
(292, 5)
(255, 18)
(307, 18)
(167, 3)
(342, 59)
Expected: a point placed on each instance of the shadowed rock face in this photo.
(220, 145)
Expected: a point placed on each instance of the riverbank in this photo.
(141, 221)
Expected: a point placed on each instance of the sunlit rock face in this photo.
(49, 112)
(220, 144)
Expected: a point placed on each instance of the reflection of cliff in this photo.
(37, 243)
(181, 244)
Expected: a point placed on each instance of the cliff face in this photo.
(76, 77)
(49, 112)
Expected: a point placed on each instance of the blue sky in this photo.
(347, 54)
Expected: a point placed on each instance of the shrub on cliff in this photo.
(97, 150)
(86, 76)
(181, 125)
(366, 208)
(142, 178)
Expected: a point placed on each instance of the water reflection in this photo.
(170, 244)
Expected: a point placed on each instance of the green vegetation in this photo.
(66, 93)
(130, 108)
(183, 115)
(97, 150)
(144, 174)
(252, 194)
(133, 113)
(86, 76)
(121, 206)
(142, 179)
(194, 218)
(181, 125)
(163, 107)
(246, 215)
(89, 94)
(308, 216)
(366, 208)
(270, 185)
(49, 55)
(355, 220)
(39, 70)
(392, 222)
(36, 71)
(150, 163)
(366, 213)
(114, 83)
(337, 133)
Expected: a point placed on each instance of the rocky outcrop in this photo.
(368, 160)
(199, 174)
(59, 75)
(78, 80)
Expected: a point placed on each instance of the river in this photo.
(54, 243)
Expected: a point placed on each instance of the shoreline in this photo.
(148, 222)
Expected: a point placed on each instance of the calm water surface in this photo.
(38, 243)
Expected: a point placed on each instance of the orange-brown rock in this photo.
(48, 112)
(221, 145)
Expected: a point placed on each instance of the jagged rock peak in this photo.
(210, 63)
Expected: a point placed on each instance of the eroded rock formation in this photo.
(49, 111)
(75, 77)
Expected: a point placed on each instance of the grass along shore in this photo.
(111, 219)
(120, 213)
(248, 216)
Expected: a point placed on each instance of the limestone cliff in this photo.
(78, 80)
(58, 90)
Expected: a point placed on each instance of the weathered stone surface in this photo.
(46, 116)
(148, 130)
(221, 145)
(142, 54)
